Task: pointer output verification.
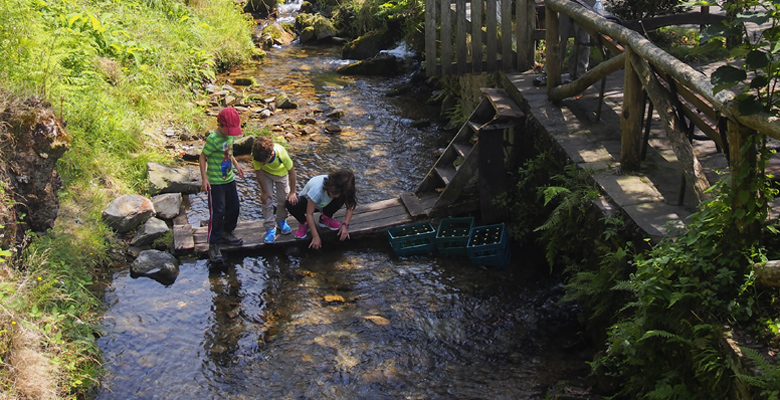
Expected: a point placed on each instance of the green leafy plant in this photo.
(758, 74)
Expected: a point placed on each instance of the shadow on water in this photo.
(351, 321)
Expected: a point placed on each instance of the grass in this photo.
(118, 73)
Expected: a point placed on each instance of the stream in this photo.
(350, 321)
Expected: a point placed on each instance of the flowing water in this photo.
(351, 321)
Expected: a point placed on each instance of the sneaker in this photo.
(303, 231)
(330, 223)
(215, 255)
(540, 80)
(231, 239)
(283, 227)
(270, 235)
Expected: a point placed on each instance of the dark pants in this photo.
(299, 210)
(223, 209)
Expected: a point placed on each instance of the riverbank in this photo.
(108, 76)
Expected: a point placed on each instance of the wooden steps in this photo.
(459, 162)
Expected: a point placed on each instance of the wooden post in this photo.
(431, 59)
(631, 118)
(553, 60)
(681, 145)
(445, 37)
(460, 36)
(526, 23)
(742, 166)
(507, 56)
(492, 173)
(476, 36)
(492, 35)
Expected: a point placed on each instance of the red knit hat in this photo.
(229, 120)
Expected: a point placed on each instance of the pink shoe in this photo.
(303, 231)
(330, 223)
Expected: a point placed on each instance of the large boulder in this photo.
(152, 229)
(33, 140)
(314, 27)
(158, 265)
(381, 65)
(167, 205)
(164, 179)
(128, 212)
(368, 45)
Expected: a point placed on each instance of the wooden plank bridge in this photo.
(367, 219)
(474, 152)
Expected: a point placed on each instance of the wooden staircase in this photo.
(485, 131)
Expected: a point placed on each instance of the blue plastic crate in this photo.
(488, 245)
(415, 239)
(453, 236)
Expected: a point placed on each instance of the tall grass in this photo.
(117, 72)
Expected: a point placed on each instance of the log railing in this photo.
(667, 82)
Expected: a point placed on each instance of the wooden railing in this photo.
(682, 96)
(473, 36)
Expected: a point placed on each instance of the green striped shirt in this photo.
(219, 156)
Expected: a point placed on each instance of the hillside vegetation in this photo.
(116, 73)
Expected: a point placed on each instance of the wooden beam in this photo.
(460, 35)
(553, 60)
(631, 118)
(477, 39)
(599, 72)
(430, 38)
(694, 173)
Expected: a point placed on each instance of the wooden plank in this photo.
(446, 37)
(460, 35)
(446, 173)
(183, 240)
(367, 219)
(505, 107)
(430, 38)
(413, 205)
(507, 60)
(492, 35)
(525, 11)
(476, 36)
(462, 149)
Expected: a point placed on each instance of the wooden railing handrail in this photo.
(683, 73)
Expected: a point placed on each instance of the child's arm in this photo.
(343, 232)
(291, 177)
(204, 185)
(316, 242)
(238, 166)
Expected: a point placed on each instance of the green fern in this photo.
(768, 377)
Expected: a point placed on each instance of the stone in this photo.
(149, 232)
(127, 212)
(167, 205)
(158, 265)
(164, 179)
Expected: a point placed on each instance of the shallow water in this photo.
(351, 321)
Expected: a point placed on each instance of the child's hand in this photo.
(315, 244)
(343, 232)
(292, 199)
(205, 186)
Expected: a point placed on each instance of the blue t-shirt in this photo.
(315, 192)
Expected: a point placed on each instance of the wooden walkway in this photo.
(367, 219)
